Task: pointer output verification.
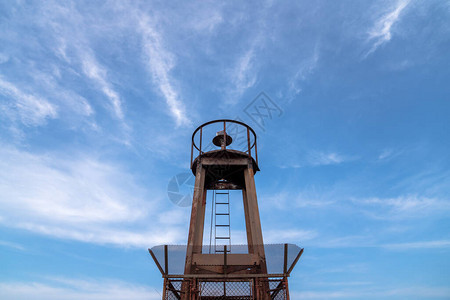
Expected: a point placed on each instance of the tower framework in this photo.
(251, 271)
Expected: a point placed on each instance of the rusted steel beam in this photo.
(275, 291)
(225, 259)
(166, 260)
(256, 151)
(227, 276)
(224, 142)
(156, 262)
(295, 261)
(201, 138)
(248, 143)
(174, 291)
(208, 161)
(246, 269)
(192, 154)
(195, 236)
(253, 214)
(164, 288)
(286, 286)
(285, 258)
(248, 225)
(233, 259)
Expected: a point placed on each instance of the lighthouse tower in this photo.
(220, 270)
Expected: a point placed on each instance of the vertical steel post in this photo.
(286, 288)
(201, 132)
(256, 150)
(224, 142)
(192, 152)
(166, 261)
(285, 259)
(248, 143)
(164, 289)
(224, 259)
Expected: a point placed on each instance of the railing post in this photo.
(166, 261)
(224, 142)
(201, 132)
(192, 152)
(164, 289)
(256, 150)
(248, 142)
(224, 259)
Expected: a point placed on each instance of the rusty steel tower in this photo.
(225, 271)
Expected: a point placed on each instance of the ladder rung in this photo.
(223, 225)
(222, 203)
(222, 214)
(222, 250)
(221, 193)
(222, 238)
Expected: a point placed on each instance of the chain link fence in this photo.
(236, 289)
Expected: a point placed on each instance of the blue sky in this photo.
(98, 100)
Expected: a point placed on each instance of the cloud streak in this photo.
(160, 62)
(11, 245)
(407, 206)
(79, 41)
(437, 244)
(30, 109)
(243, 75)
(381, 32)
(98, 74)
(425, 292)
(71, 289)
(82, 199)
(320, 158)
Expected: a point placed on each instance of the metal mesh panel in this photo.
(242, 289)
(173, 289)
(237, 289)
(277, 289)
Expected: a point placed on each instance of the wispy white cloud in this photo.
(345, 268)
(304, 199)
(408, 206)
(81, 198)
(160, 63)
(63, 67)
(437, 244)
(425, 292)
(72, 33)
(71, 289)
(351, 241)
(320, 158)
(98, 74)
(244, 71)
(288, 235)
(370, 241)
(67, 100)
(3, 58)
(385, 154)
(341, 283)
(11, 245)
(243, 75)
(206, 19)
(30, 109)
(304, 70)
(381, 33)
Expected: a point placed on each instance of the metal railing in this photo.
(280, 258)
(242, 134)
